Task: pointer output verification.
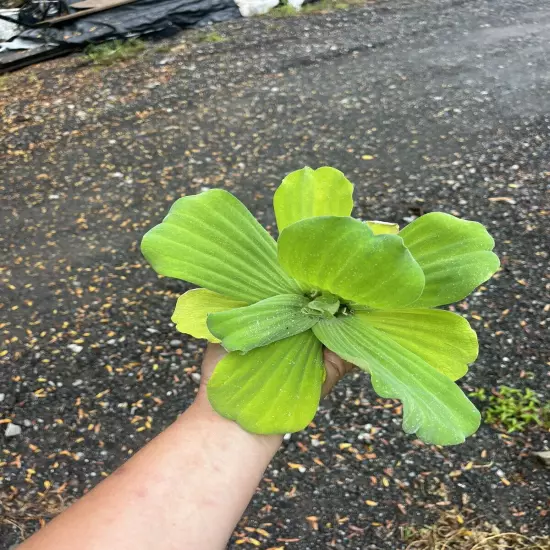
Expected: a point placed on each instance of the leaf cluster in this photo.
(368, 291)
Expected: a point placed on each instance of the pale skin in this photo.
(185, 490)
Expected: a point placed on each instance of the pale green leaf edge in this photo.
(192, 309)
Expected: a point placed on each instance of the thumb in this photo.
(336, 368)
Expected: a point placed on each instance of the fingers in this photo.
(336, 368)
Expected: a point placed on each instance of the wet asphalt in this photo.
(432, 105)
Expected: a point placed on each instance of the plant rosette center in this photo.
(368, 291)
(323, 304)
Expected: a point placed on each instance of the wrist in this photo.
(204, 413)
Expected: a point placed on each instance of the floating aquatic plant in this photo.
(365, 290)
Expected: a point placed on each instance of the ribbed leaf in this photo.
(262, 323)
(454, 254)
(433, 405)
(307, 193)
(343, 256)
(272, 389)
(383, 228)
(443, 339)
(193, 307)
(213, 241)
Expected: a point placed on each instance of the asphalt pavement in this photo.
(425, 105)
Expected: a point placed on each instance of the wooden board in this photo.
(102, 5)
(90, 4)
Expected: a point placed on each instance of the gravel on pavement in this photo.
(425, 105)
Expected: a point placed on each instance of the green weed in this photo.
(284, 10)
(212, 37)
(514, 410)
(114, 51)
(323, 6)
(164, 48)
(479, 394)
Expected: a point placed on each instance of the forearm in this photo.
(186, 489)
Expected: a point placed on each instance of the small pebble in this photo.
(75, 347)
(12, 430)
(544, 457)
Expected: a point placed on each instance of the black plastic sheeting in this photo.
(138, 18)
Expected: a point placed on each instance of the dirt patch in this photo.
(25, 514)
(453, 532)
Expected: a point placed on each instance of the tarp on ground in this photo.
(134, 19)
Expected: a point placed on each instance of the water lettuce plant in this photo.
(365, 290)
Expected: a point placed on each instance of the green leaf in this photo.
(343, 256)
(272, 389)
(308, 193)
(433, 405)
(326, 304)
(193, 307)
(213, 241)
(443, 339)
(262, 323)
(383, 228)
(454, 254)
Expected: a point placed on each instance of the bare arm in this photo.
(184, 490)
